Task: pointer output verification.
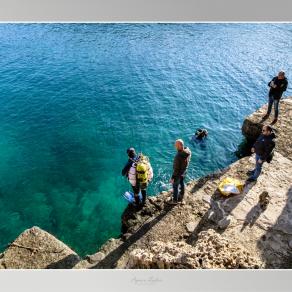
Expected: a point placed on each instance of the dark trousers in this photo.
(274, 101)
(176, 183)
(136, 190)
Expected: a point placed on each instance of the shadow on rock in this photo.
(217, 216)
(205, 222)
(244, 148)
(220, 213)
(203, 180)
(276, 243)
(110, 261)
(252, 216)
(67, 262)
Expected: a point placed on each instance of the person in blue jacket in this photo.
(263, 148)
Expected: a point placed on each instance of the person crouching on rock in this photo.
(180, 165)
(263, 149)
(277, 86)
(139, 173)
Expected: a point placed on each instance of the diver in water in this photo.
(201, 134)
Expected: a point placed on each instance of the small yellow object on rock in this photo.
(230, 186)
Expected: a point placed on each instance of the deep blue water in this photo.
(74, 97)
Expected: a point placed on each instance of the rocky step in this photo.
(38, 249)
(212, 251)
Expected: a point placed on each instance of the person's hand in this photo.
(260, 161)
(252, 150)
(171, 180)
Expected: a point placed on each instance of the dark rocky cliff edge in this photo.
(208, 231)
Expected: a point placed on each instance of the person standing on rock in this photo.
(139, 172)
(263, 148)
(180, 165)
(277, 86)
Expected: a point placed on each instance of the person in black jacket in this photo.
(180, 165)
(277, 86)
(263, 148)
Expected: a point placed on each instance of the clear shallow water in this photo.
(75, 96)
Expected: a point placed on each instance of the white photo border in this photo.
(80, 11)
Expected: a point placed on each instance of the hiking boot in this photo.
(181, 200)
(181, 197)
(172, 202)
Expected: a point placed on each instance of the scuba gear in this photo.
(141, 171)
(129, 196)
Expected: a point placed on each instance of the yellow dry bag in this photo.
(230, 186)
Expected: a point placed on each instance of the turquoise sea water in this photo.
(74, 97)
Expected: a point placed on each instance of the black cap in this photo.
(131, 152)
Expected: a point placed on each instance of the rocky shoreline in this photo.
(208, 231)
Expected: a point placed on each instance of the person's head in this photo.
(131, 152)
(179, 144)
(267, 130)
(281, 75)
